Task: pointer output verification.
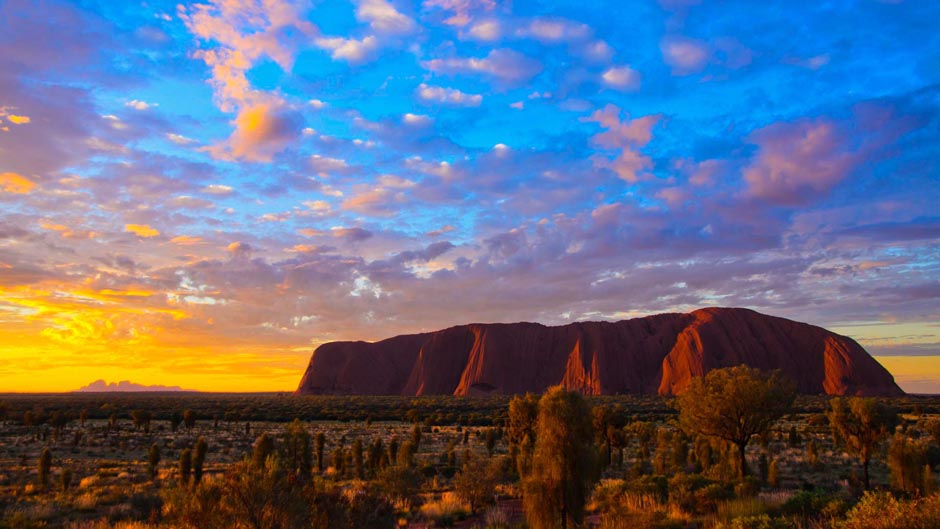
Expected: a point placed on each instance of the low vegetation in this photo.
(736, 451)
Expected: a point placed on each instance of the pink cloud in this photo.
(629, 136)
(797, 162)
(685, 56)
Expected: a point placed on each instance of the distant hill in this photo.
(653, 355)
(124, 386)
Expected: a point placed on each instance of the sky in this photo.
(198, 195)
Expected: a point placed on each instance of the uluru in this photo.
(651, 355)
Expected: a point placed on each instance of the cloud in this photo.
(504, 65)
(463, 10)
(797, 162)
(179, 139)
(325, 164)
(450, 96)
(686, 56)
(351, 50)
(351, 234)
(217, 189)
(628, 136)
(486, 30)
(137, 104)
(18, 120)
(383, 17)
(551, 30)
(261, 131)
(141, 230)
(244, 32)
(621, 78)
(417, 120)
(15, 183)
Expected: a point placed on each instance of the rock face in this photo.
(652, 355)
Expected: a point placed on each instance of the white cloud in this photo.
(384, 18)
(137, 104)
(621, 78)
(217, 189)
(450, 96)
(417, 120)
(179, 139)
(351, 50)
(508, 66)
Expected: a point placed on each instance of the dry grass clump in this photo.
(446, 509)
(881, 510)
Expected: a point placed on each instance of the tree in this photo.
(735, 404)
(476, 483)
(358, 466)
(299, 454)
(263, 449)
(153, 459)
(189, 419)
(199, 458)
(523, 415)
(45, 465)
(319, 442)
(906, 460)
(863, 423)
(186, 466)
(175, 420)
(65, 479)
(563, 461)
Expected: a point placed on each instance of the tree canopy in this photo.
(735, 404)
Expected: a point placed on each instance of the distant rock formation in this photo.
(653, 355)
(124, 386)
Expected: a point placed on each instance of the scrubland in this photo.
(437, 462)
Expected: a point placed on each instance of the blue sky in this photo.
(193, 194)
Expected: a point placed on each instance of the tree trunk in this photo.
(865, 468)
(742, 461)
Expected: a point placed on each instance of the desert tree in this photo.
(564, 461)
(906, 461)
(263, 449)
(735, 404)
(319, 443)
(65, 479)
(476, 483)
(523, 415)
(176, 418)
(45, 465)
(199, 459)
(189, 419)
(358, 465)
(153, 460)
(185, 466)
(416, 436)
(863, 424)
(298, 449)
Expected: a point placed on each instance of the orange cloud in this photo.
(67, 232)
(14, 183)
(187, 240)
(141, 230)
(261, 131)
(19, 120)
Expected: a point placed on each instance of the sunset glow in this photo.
(198, 195)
